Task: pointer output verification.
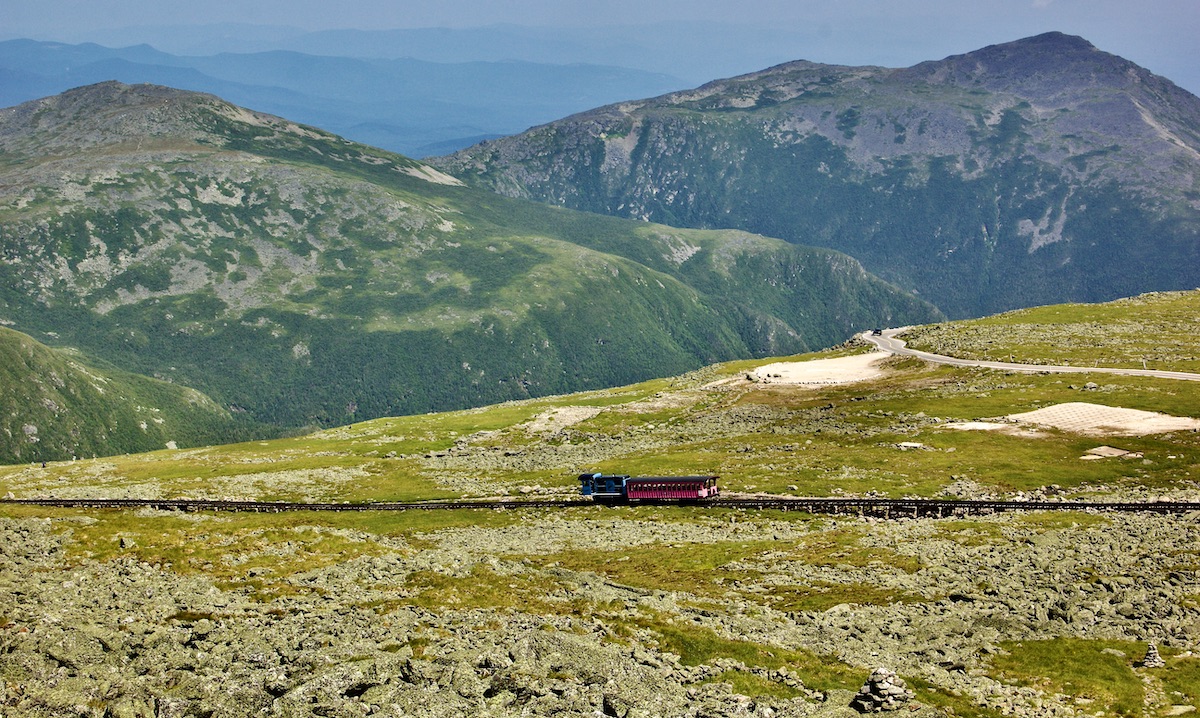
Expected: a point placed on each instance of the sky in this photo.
(1161, 35)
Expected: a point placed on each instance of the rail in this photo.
(876, 507)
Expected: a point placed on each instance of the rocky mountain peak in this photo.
(1052, 42)
(1040, 141)
(149, 117)
(1047, 51)
(105, 99)
(1040, 67)
(102, 114)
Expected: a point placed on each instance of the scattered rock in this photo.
(130, 629)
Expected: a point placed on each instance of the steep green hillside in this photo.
(304, 279)
(1035, 172)
(54, 406)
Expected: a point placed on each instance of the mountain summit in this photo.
(298, 278)
(1037, 171)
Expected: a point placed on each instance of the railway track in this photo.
(876, 507)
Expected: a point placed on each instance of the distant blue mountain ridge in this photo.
(409, 106)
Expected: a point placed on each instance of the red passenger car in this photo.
(671, 487)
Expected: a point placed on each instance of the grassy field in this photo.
(888, 435)
(1153, 331)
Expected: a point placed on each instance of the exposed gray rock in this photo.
(883, 691)
(1152, 659)
(127, 635)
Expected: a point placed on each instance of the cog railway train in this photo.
(621, 488)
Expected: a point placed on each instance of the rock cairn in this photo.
(1152, 659)
(883, 691)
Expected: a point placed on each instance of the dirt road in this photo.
(889, 343)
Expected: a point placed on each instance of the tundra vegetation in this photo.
(630, 610)
(1149, 331)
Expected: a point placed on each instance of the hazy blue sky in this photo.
(1162, 35)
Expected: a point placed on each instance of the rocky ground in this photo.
(369, 636)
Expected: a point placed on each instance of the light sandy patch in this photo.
(1083, 418)
(978, 426)
(842, 370)
(659, 402)
(1109, 452)
(429, 174)
(1010, 428)
(1106, 452)
(560, 418)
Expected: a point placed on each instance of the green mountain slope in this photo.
(55, 406)
(301, 278)
(1035, 172)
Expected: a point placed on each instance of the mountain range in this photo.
(301, 279)
(401, 104)
(1033, 172)
(692, 50)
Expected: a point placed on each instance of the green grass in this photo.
(1180, 679)
(755, 686)
(822, 441)
(822, 595)
(1155, 331)
(1079, 668)
(696, 645)
(701, 569)
(855, 447)
(484, 588)
(714, 571)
